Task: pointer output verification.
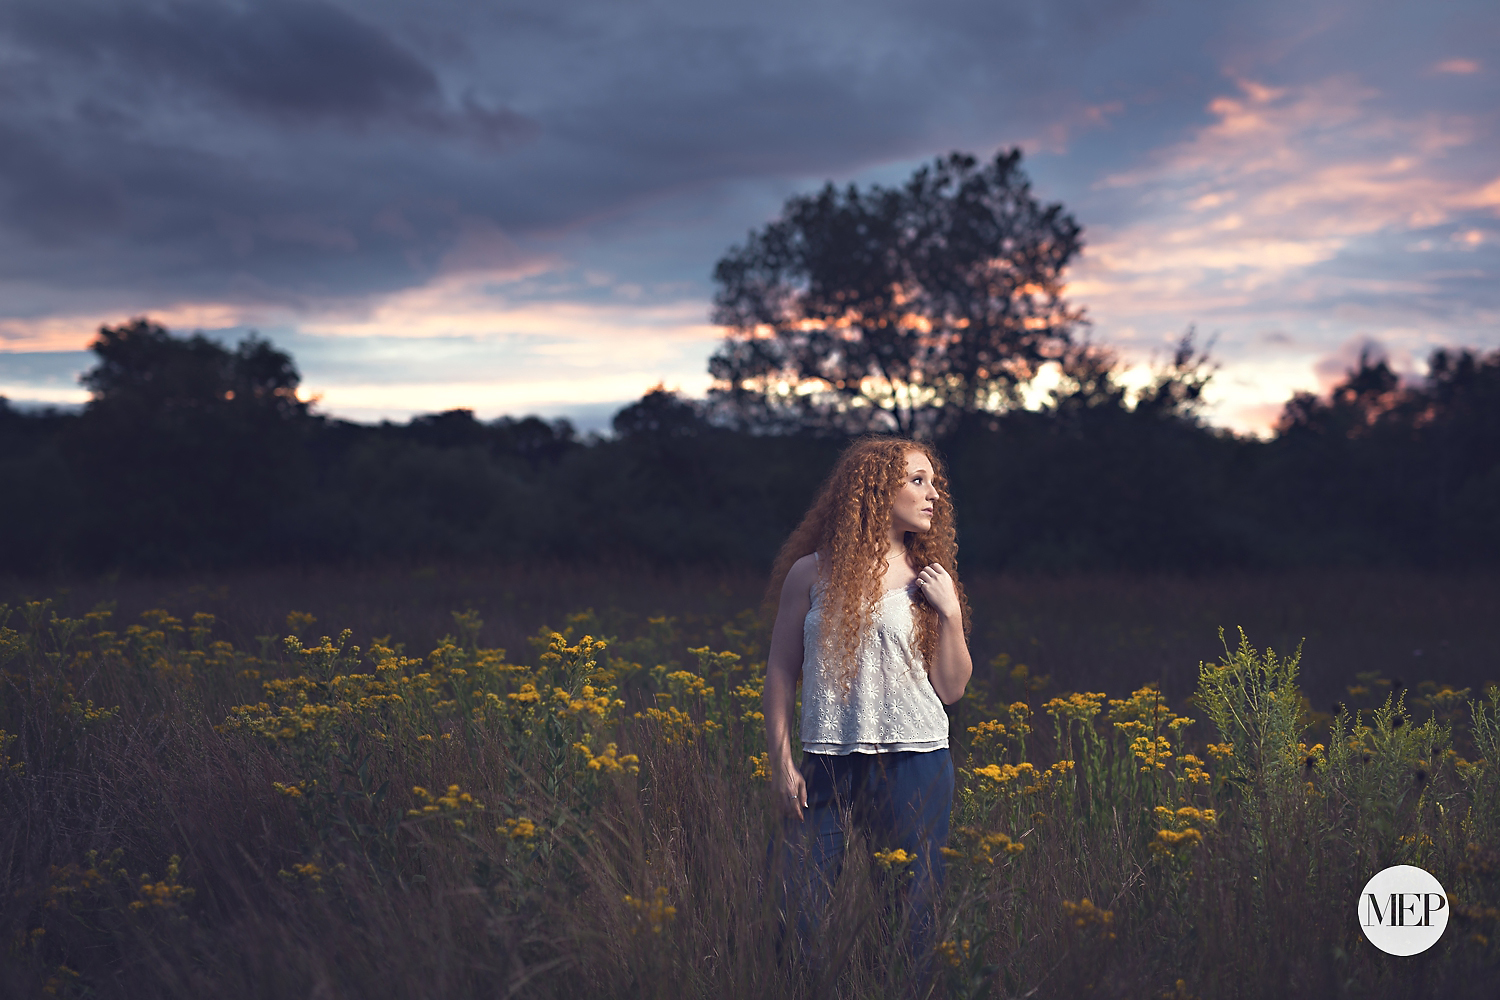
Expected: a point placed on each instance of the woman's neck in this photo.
(896, 549)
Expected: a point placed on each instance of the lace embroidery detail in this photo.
(891, 705)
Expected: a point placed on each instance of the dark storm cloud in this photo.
(291, 150)
(50, 198)
(291, 58)
(245, 151)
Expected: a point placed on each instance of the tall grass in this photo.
(188, 815)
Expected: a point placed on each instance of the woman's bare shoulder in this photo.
(799, 579)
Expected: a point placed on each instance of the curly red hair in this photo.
(848, 525)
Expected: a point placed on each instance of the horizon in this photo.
(596, 418)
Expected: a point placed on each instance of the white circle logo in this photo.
(1403, 910)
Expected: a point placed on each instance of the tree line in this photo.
(927, 309)
(193, 455)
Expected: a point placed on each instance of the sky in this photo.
(515, 207)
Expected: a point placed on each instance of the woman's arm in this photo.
(951, 668)
(783, 668)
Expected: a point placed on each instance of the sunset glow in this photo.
(518, 224)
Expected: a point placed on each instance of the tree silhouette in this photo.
(895, 308)
(1416, 466)
(196, 454)
(143, 370)
(191, 453)
(1369, 393)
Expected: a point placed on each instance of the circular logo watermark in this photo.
(1403, 910)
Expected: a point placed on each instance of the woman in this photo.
(874, 623)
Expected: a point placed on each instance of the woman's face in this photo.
(917, 497)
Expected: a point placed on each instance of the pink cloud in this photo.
(1282, 179)
(1253, 221)
(75, 332)
(1462, 67)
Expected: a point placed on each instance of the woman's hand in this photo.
(937, 586)
(790, 792)
(951, 667)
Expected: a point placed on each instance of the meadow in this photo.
(548, 781)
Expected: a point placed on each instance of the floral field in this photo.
(301, 815)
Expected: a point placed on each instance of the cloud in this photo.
(478, 305)
(1287, 176)
(1313, 142)
(1299, 207)
(447, 176)
(284, 151)
(1461, 67)
(298, 61)
(74, 332)
(251, 152)
(546, 357)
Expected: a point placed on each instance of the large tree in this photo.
(145, 371)
(193, 453)
(895, 308)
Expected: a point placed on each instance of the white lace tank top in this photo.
(890, 705)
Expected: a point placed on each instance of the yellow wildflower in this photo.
(955, 953)
(1448, 698)
(894, 858)
(453, 804)
(1142, 714)
(1003, 773)
(526, 696)
(1080, 706)
(987, 733)
(986, 846)
(1179, 992)
(677, 726)
(609, 762)
(749, 695)
(684, 683)
(1168, 841)
(1192, 769)
(1084, 915)
(519, 828)
(1020, 713)
(60, 981)
(164, 893)
(1191, 814)
(651, 914)
(1153, 753)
